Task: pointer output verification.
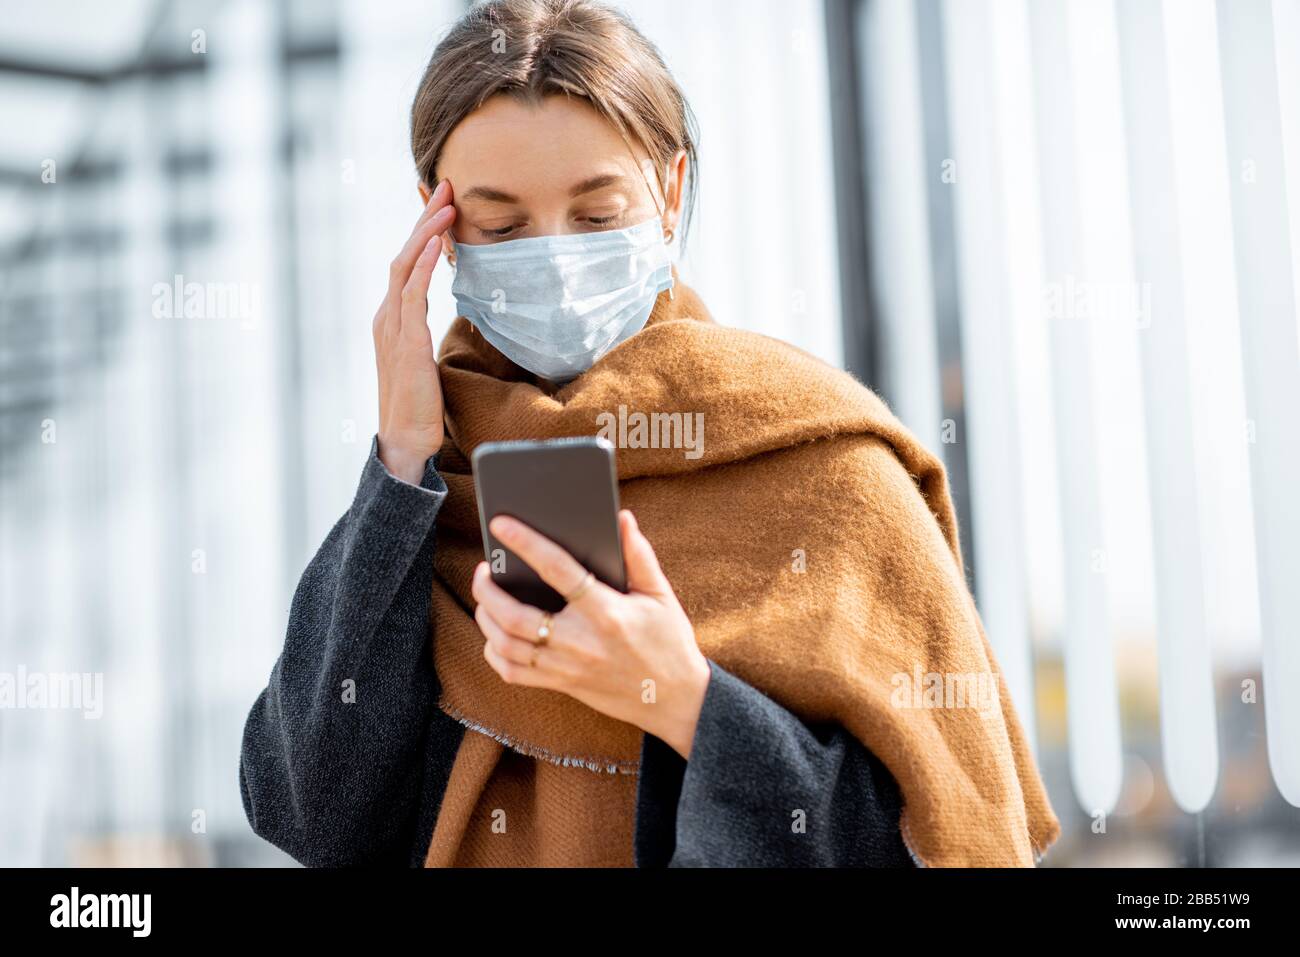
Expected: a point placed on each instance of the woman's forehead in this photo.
(559, 148)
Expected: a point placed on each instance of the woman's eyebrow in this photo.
(594, 183)
(489, 194)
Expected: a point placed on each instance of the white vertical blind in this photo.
(1286, 35)
(1187, 710)
(1267, 296)
(135, 391)
(1092, 699)
(899, 176)
(988, 335)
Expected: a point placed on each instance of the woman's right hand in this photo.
(410, 394)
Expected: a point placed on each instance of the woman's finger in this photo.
(644, 573)
(508, 611)
(401, 266)
(437, 199)
(505, 644)
(415, 294)
(552, 563)
(399, 271)
(517, 674)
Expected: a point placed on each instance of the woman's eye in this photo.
(602, 220)
(500, 233)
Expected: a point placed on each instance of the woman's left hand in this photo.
(630, 656)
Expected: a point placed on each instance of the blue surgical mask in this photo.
(555, 304)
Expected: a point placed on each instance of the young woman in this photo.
(792, 676)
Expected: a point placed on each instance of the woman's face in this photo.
(519, 170)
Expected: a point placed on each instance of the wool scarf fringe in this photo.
(540, 753)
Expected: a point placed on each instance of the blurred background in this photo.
(1061, 239)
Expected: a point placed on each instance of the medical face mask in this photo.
(555, 304)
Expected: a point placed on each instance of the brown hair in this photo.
(534, 48)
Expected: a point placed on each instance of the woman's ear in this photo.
(425, 193)
(677, 169)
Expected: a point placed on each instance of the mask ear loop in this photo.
(669, 231)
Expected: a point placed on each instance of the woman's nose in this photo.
(556, 225)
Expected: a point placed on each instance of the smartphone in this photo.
(567, 489)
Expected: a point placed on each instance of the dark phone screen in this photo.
(567, 489)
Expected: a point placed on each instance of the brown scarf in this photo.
(813, 545)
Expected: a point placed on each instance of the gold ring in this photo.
(544, 629)
(532, 662)
(581, 589)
